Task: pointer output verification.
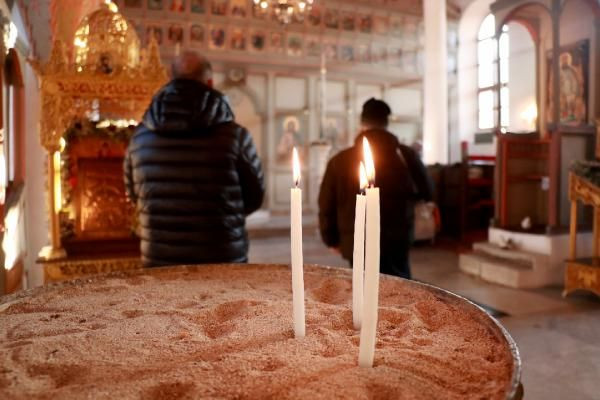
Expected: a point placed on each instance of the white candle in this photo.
(358, 259)
(296, 243)
(368, 332)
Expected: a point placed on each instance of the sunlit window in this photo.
(489, 83)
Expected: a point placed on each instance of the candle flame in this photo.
(364, 181)
(369, 164)
(296, 167)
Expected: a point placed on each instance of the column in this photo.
(435, 84)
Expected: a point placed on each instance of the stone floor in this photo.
(559, 339)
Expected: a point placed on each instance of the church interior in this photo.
(500, 99)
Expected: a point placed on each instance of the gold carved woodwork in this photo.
(582, 190)
(584, 276)
(72, 269)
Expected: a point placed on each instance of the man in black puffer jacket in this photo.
(402, 179)
(193, 173)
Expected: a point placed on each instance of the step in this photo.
(506, 272)
(535, 260)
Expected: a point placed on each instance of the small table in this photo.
(583, 273)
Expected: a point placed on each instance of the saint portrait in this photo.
(380, 25)
(177, 6)
(289, 137)
(197, 6)
(364, 53)
(238, 40)
(155, 5)
(332, 20)
(396, 27)
(347, 53)
(348, 22)
(313, 47)
(219, 7)
(277, 44)
(175, 34)
(314, 16)
(217, 38)
(294, 45)
(258, 40)
(154, 31)
(365, 23)
(196, 34)
(335, 132)
(238, 8)
(331, 51)
(133, 3)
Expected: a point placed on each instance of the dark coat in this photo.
(398, 194)
(194, 175)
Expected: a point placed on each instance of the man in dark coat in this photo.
(401, 177)
(193, 173)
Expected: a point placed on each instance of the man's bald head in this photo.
(190, 65)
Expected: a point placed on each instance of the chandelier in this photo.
(284, 10)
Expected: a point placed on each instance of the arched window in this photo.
(487, 62)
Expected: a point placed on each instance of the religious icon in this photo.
(395, 56)
(331, 51)
(294, 47)
(258, 41)
(217, 38)
(396, 27)
(197, 6)
(348, 22)
(105, 63)
(365, 23)
(313, 47)
(364, 53)
(347, 53)
(573, 76)
(133, 3)
(314, 16)
(289, 138)
(331, 19)
(175, 34)
(238, 40)
(277, 43)
(156, 32)
(155, 4)
(380, 25)
(177, 5)
(238, 8)
(335, 133)
(219, 7)
(196, 34)
(380, 55)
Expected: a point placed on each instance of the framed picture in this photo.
(258, 41)
(365, 23)
(335, 132)
(573, 78)
(133, 3)
(364, 53)
(291, 132)
(331, 51)
(219, 7)
(396, 25)
(331, 19)
(217, 38)
(347, 53)
(380, 25)
(175, 34)
(314, 16)
(196, 35)
(238, 8)
(313, 46)
(155, 5)
(177, 5)
(380, 54)
(348, 22)
(294, 44)
(395, 56)
(156, 32)
(238, 40)
(277, 44)
(197, 6)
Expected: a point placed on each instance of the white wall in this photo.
(468, 28)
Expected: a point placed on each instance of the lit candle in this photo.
(296, 241)
(358, 259)
(368, 331)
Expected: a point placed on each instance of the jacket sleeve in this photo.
(421, 178)
(128, 176)
(251, 175)
(328, 208)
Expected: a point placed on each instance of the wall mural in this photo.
(348, 34)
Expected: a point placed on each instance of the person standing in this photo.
(401, 177)
(192, 172)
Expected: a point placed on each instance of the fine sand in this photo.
(225, 332)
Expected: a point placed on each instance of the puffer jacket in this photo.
(194, 175)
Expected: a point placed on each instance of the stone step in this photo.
(503, 271)
(535, 260)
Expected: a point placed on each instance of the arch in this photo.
(513, 16)
(594, 5)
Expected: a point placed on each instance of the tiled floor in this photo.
(559, 339)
